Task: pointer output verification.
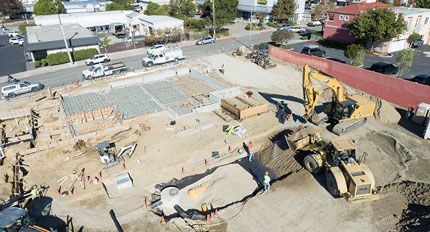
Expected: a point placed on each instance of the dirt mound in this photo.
(384, 111)
(276, 155)
(416, 217)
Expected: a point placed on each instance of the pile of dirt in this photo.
(385, 112)
(277, 156)
(416, 217)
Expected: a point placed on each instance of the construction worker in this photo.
(266, 182)
(250, 149)
(222, 69)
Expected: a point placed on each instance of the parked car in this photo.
(313, 50)
(100, 70)
(297, 29)
(11, 90)
(96, 59)
(314, 23)
(417, 43)
(13, 34)
(385, 68)
(205, 40)
(156, 48)
(17, 40)
(336, 60)
(285, 27)
(422, 79)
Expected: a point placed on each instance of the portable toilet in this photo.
(422, 113)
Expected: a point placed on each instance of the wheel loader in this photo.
(345, 175)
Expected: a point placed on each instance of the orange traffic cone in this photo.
(207, 219)
(57, 191)
(183, 170)
(212, 215)
(99, 174)
(229, 149)
(144, 204)
(216, 212)
(163, 222)
(206, 162)
(290, 116)
(123, 166)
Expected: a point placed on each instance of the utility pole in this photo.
(64, 36)
(213, 14)
(250, 31)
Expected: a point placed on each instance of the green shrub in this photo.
(36, 64)
(332, 43)
(255, 27)
(225, 32)
(57, 58)
(196, 23)
(414, 36)
(286, 46)
(262, 46)
(43, 62)
(291, 22)
(274, 25)
(304, 37)
(84, 54)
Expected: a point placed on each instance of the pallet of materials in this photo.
(241, 107)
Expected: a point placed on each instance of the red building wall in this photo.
(335, 29)
(395, 90)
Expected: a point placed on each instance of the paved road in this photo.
(420, 64)
(12, 58)
(69, 76)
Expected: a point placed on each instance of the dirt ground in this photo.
(298, 201)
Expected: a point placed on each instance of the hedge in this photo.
(62, 57)
(274, 25)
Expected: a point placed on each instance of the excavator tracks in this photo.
(347, 126)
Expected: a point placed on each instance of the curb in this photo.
(233, 37)
(264, 32)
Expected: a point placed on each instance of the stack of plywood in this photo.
(241, 107)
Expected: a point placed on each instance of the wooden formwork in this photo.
(92, 115)
(241, 108)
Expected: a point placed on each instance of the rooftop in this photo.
(411, 11)
(50, 37)
(359, 8)
(81, 3)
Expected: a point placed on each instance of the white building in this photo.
(83, 6)
(44, 40)
(102, 21)
(245, 7)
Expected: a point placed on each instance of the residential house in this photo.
(416, 18)
(336, 20)
(82, 6)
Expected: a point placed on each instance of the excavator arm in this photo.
(311, 94)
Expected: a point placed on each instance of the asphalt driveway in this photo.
(12, 58)
(420, 63)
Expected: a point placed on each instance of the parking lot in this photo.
(420, 63)
(12, 59)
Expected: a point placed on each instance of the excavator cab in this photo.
(343, 110)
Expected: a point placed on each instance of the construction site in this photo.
(166, 149)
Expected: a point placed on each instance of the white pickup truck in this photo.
(174, 54)
(101, 70)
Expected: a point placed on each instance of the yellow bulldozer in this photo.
(346, 113)
(345, 175)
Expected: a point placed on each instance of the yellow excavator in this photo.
(346, 113)
(346, 176)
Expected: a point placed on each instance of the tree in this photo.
(11, 8)
(423, 3)
(47, 7)
(22, 28)
(225, 11)
(281, 37)
(283, 10)
(155, 9)
(105, 41)
(355, 52)
(182, 7)
(320, 11)
(377, 24)
(119, 5)
(404, 60)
